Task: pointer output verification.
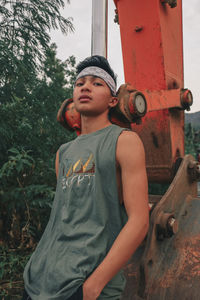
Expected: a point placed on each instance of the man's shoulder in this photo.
(129, 147)
(128, 136)
(64, 146)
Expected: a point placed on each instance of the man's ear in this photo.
(113, 102)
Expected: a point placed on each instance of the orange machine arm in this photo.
(152, 46)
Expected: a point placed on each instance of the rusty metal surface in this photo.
(169, 267)
(162, 99)
(68, 116)
(162, 133)
(173, 271)
(127, 106)
(151, 35)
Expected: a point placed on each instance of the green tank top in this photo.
(85, 220)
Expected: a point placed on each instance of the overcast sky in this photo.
(79, 42)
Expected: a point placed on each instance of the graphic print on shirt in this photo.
(82, 170)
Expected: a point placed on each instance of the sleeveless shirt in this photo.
(85, 219)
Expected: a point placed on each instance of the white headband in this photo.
(98, 72)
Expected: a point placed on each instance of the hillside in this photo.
(194, 119)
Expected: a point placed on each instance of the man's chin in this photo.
(88, 113)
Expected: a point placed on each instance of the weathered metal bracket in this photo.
(171, 265)
(167, 264)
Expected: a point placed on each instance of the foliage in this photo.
(192, 140)
(193, 119)
(31, 137)
(12, 263)
(24, 40)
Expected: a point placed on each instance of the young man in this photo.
(100, 211)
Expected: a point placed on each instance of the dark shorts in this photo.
(77, 296)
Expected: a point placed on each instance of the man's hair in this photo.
(96, 61)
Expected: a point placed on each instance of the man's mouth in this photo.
(84, 98)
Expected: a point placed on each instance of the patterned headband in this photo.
(98, 72)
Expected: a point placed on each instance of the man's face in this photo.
(92, 96)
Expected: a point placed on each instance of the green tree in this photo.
(189, 139)
(30, 137)
(24, 40)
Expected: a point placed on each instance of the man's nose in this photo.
(86, 86)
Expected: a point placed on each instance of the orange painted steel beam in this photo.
(165, 99)
(152, 46)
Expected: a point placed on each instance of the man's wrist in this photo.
(93, 284)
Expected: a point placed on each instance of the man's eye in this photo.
(79, 84)
(98, 83)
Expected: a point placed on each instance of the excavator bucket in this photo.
(167, 264)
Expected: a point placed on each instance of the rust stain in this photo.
(187, 266)
(191, 253)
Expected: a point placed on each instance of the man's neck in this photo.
(91, 124)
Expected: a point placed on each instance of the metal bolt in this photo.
(167, 226)
(172, 225)
(186, 99)
(172, 3)
(194, 170)
(116, 18)
(138, 28)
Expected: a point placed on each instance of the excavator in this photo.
(152, 103)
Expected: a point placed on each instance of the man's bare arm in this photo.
(131, 158)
